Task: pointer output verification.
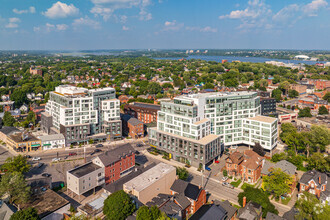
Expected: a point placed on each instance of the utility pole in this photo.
(202, 178)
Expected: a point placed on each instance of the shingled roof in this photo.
(116, 154)
(189, 190)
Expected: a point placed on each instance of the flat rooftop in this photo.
(84, 169)
(263, 119)
(149, 177)
(215, 94)
(18, 137)
(145, 105)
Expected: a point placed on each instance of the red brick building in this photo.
(125, 98)
(245, 165)
(146, 113)
(35, 71)
(188, 193)
(132, 127)
(117, 162)
(316, 183)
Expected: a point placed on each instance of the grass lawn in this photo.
(246, 185)
(286, 200)
(236, 184)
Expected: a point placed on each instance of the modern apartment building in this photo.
(191, 126)
(81, 114)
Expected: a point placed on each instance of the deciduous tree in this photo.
(118, 206)
(26, 214)
(15, 186)
(278, 182)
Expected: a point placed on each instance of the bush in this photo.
(118, 206)
(225, 173)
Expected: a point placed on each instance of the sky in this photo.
(164, 24)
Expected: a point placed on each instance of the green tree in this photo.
(263, 83)
(319, 162)
(15, 186)
(278, 182)
(285, 85)
(155, 212)
(319, 137)
(118, 206)
(8, 119)
(26, 214)
(310, 207)
(305, 112)
(327, 97)
(257, 196)
(293, 93)
(143, 213)
(278, 157)
(277, 94)
(16, 164)
(31, 117)
(19, 97)
(154, 88)
(182, 173)
(323, 110)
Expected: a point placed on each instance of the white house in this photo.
(52, 141)
(24, 108)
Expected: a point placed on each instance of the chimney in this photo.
(244, 201)
(212, 202)
(199, 186)
(320, 179)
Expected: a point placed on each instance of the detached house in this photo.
(245, 165)
(316, 183)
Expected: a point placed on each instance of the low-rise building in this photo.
(23, 142)
(6, 131)
(250, 211)
(316, 183)
(52, 141)
(149, 184)
(132, 127)
(143, 111)
(246, 166)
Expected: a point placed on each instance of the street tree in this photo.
(278, 182)
(293, 93)
(182, 173)
(118, 206)
(26, 214)
(16, 164)
(319, 137)
(15, 186)
(277, 94)
(305, 112)
(319, 162)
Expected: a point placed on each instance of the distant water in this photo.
(242, 59)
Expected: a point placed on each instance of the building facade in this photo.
(52, 141)
(23, 142)
(144, 112)
(191, 126)
(81, 114)
(267, 106)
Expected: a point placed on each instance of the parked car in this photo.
(36, 158)
(96, 151)
(208, 168)
(72, 154)
(40, 165)
(137, 152)
(56, 159)
(228, 185)
(46, 175)
(27, 156)
(99, 145)
(216, 161)
(139, 145)
(224, 178)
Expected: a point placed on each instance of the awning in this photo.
(45, 144)
(35, 145)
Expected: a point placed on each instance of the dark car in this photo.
(40, 165)
(46, 175)
(96, 151)
(137, 152)
(72, 154)
(99, 145)
(139, 145)
(27, 156)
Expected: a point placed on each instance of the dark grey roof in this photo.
(146, 105)
(134, 121)
(290, 215)
(286, 166)
(8, 130)
(252, 210)
(189, 190)
(125, 117)
(272, 216)
(115, 155)
(231, 210)
(118, 185)
(84, 169)
(182, 200)
(265, 168)
(159, 200)
(170, 208)
(314, 175)
(208, 212)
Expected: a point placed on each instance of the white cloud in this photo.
(125, 28)
(172, 26)
(36, 29)
(13, 22)
(86, 21)
(31, 10)
(61, 27)
(202, 29)
(312, 8)
(286, 13)
(106, 8)
(61, 10)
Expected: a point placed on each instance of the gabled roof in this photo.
(251, 159)
(208, 212)
(236, 157)
(231, 210)
(182, 200)
(318, 177)
(116, 154)
(272, 216)
(252, 210)
(189, 190)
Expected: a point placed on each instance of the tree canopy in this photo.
(323, 110)
(277, 183)
(145, 213)
(26, 214)
(15, 186)
(8, 119)
(118, 206)
(182, 173)
(305, 112)
(16, 164)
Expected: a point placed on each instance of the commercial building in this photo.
(81, 114)
(145, 112)
(267, 106)
(6, 131)
(52, 141)
(149, 184)
(191, 126)
(23, 142)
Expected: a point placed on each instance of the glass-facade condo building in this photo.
(197, 116)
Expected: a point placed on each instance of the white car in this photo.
(56, 159)
(224, 178)
(36, 158)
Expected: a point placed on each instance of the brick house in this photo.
(117, 162)
(194, 194)
(132, 127)
(143, 111)
(316, 183)
(125, 98)
(245, 165)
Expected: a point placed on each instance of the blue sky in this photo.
(164, 24)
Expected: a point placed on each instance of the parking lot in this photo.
(4, 154)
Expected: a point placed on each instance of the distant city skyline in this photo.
(164, 24)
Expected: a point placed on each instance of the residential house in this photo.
(246, 166)
(133, 127)
(285, 166)
(272, 216)
(210, 211)
(24, 108)
(196, 195)
(250, 211)
(6, 210)
(125, 98)
(316, 183)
